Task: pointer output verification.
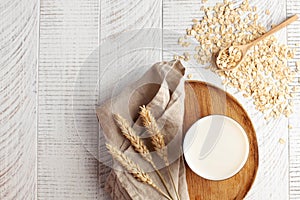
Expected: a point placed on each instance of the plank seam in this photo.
(99, 54)
(289, 145)
(37, 96)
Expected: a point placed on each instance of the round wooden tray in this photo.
(203, 99)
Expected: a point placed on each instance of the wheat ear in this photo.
(156, 136)
(134, 169)
(138, 145)
(158, 140)
(131, 135)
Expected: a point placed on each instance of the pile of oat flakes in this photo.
(263, 74)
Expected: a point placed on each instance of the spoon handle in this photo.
(275, 29)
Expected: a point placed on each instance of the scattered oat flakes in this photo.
(194, 21)
(263, 74)
(245, 95)
(267, 12)
(281, 141)
(204, 1)
(273, 25)
(177, 57)
(298, 65)
(180, 40)
(189, 76)
(290, 126)
(186, 56)
(185, 44)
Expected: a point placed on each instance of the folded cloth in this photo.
(161, 89)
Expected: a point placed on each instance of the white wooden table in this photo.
(43, 45)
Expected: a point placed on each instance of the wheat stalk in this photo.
(158, 140)
(134, 169)
(131, 135)
(138, 144)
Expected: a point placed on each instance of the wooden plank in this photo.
(177, 16)
(18, 60)
(273, 157)
(131, 41)
(293, 7)
(68, 35)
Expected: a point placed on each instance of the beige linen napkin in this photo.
(161, 89)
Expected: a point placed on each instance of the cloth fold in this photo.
(161, 89)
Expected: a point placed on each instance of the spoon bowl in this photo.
(243, 49)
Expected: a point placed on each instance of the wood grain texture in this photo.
(68, 35)
(293, 38)
(202, 100)
(177, 16)
(18, 67)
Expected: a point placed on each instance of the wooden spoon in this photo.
(244, 48)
